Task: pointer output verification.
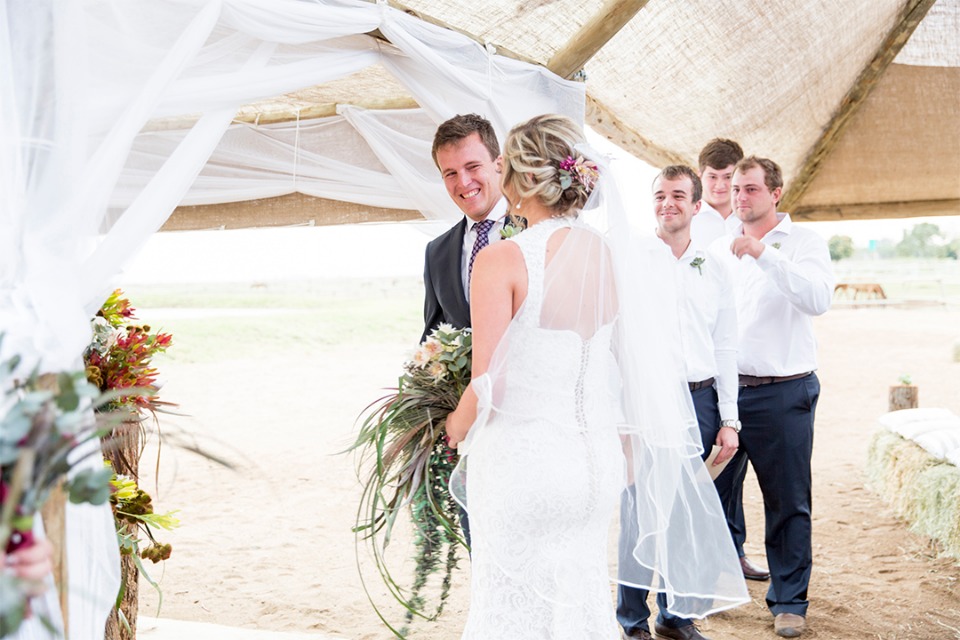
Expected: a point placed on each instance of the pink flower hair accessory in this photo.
(580, 172)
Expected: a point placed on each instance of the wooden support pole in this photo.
(876, 210)
(597, 32)
(54, 515)
(54, 512)
(122, 448)
(910, 16)
(607, 124)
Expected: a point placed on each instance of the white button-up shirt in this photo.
(708, 225)
(708, 323)
(777, 297)
(498, 213)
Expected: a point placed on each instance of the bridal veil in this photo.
(604, 277)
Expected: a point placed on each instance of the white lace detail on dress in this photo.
(544, 479)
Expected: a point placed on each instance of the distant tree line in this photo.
(924, 240)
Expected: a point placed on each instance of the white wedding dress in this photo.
(544, 462)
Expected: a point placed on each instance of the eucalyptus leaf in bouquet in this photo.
(405, 463)
(47, 427)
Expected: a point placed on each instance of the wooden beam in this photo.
(54, 515)
(876, 210)
(294, 209)
(250, 115)
(910, 16)
(609, 125)
(591, 37)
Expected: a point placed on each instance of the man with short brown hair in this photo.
(466, 151)
(716, 163)
(784, 278)
(708, 338)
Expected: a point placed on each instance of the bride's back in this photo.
(556, 356)
(578, 286)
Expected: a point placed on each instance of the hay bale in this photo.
(920, 488)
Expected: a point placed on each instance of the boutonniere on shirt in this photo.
(776, 245)
(698, 263)
(510, 228)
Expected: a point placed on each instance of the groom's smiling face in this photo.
(471, 176)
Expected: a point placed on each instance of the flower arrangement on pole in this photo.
(120, 360)
(405, 463)
(121, 355)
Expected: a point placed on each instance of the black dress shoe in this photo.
(639, 634)
(688, 632)
(752, 571)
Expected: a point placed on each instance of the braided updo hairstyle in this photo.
(531, 163)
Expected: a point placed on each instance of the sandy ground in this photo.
(270, 546)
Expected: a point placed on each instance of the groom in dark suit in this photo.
(467, 153)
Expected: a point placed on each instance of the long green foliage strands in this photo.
(404, 462)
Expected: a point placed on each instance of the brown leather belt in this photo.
(757, 381)
(696, 386)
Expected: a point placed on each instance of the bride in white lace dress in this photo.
(546, 446)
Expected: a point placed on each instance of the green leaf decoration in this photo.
(90, 485)
(405, 466)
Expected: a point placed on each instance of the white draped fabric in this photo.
(80, 191)
(79, 79)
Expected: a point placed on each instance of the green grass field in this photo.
(906, 279)
(222, 322)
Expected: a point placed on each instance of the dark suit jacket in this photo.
(445, 300)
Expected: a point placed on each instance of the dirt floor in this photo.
(270, 546)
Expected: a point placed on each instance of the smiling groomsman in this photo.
(718, 160)
(467, 153)
(708, 335)
(783, 279)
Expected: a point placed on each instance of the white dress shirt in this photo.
(708, 323)
(777, 297)
(498, 213)
(708, 225)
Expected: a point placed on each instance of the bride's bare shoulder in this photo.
(503, 252)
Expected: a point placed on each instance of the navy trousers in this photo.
(730, 488)
(632, 609)
(777, 438)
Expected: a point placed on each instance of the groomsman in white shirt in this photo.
(717, 160)
(716, 219)
(783, 279)
(708, 334)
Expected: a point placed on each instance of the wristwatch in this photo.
(733, 424)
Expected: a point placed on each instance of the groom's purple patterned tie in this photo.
(483, 239)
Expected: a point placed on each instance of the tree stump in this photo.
(904, 396)
(122, 449)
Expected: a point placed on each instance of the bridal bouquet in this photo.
(45, 422)
(405, 462)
